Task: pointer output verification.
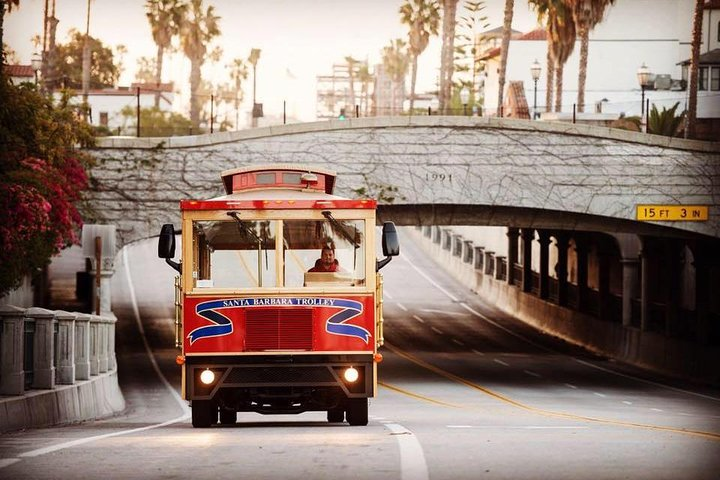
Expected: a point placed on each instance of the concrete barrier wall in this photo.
(649, 350)
(56, 368)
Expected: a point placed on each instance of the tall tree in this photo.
(165, 18)
(198, 29)
(104, 71)
(422, 17)
(507, 30)
(449, 22)
(238, 73)
(466, 58)
(694, 70)
(395, 60)
(586, 15)
(146, 70)
(560, 30)
(365, 78)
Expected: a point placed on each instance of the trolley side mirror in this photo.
(390, 244)
(166, 246)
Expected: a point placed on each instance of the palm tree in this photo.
(238, 73)
(422, 17)
(396, 60)
(561, 35)
(693, 73)
(365, 78)
(165, 17)
(507, 29)
(197, 30)
(447, 63)
(586, 15)
(351, 63)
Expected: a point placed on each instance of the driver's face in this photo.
(327, 257)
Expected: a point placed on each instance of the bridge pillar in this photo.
(43, 347)
(630, 268)
(671, 282)
(512, 258)
(581, 251)
(544, 240)
(703, 261)
(604, 310)
(12, 375)
(82, 347)
(66, 347)
(528, 234)
(645, 285)
(562, 241)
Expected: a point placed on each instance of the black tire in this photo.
(357, 411)
(335, 415)
(204, 413)
(227, 417)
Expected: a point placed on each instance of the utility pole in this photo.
(86, 63)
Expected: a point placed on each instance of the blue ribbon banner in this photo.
(337, 324)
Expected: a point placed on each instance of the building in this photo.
(19, 73)
(652, 32)
(106, 105)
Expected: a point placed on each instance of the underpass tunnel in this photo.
(644, 299)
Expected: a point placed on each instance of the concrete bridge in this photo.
(429, 171)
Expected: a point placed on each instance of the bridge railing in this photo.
(40, 348)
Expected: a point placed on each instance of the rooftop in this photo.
(19, 71)
(537, 34)
(708, 58)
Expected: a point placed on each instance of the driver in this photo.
(327, 261)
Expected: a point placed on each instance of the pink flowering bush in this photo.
(42, 176)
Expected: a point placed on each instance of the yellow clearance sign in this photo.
(672, 213)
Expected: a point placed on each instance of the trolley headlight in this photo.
(207, 377)
(351, 375)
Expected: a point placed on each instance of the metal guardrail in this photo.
(40, 349)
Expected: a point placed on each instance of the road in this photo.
(466, 392)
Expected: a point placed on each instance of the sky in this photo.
(299, 39)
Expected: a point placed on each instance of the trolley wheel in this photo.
(204, 413)
(227, 417)
(335, 415)
(357, 411)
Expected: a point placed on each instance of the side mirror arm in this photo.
(381, 263)
(177, 266)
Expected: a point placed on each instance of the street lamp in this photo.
(643, 76)
(464, 98)
(535, 69)
(36, 65)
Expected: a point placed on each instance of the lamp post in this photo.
(36, 65)
(464, 98)
(257, 109)
(643, 76)
(535, 70)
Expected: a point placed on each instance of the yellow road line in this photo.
(418, 396)
(540, 411)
